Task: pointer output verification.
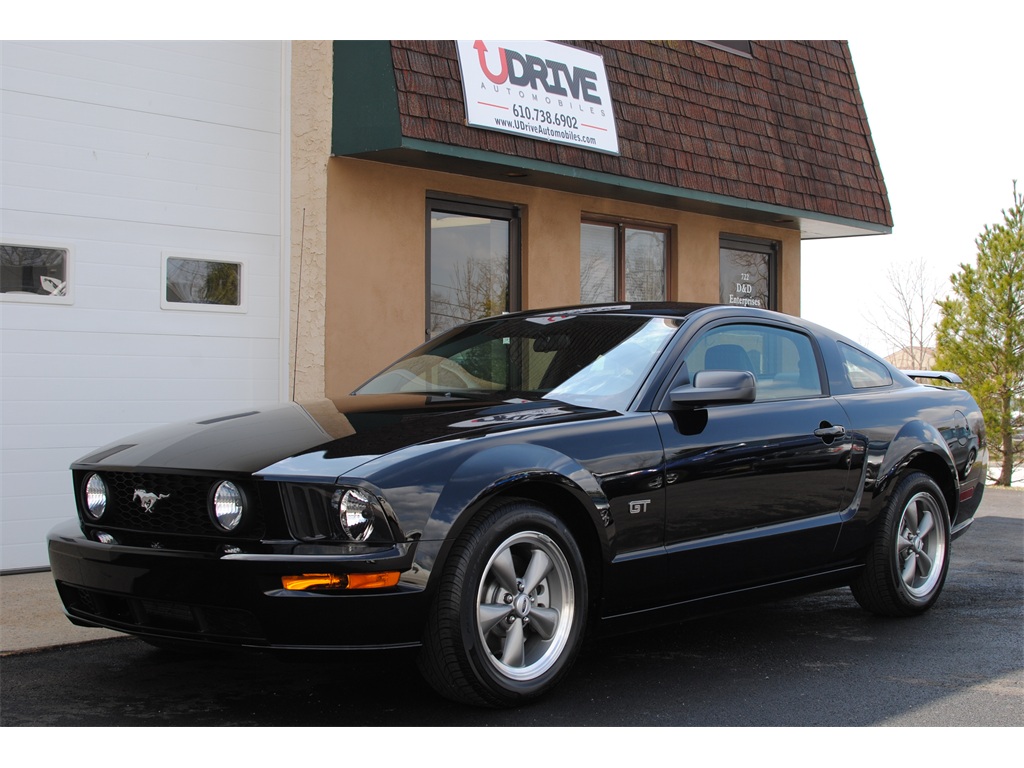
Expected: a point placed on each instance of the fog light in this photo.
(227, 505)
(95, 497)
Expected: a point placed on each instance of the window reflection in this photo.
(197, 281)
(33, 270)
(469, 269)
(622, 263)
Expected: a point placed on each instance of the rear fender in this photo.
(921, 446)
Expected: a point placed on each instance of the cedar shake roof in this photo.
(783, 131)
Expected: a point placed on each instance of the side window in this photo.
(34, 273)
(863, 371)
(198, 282)
(782, 361)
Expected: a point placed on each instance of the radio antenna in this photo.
(298, 307)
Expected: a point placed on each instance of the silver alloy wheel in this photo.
(921, 545)
(525, 605)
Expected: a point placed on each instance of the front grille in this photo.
(130, 613)
(308, 510)
(181, 508)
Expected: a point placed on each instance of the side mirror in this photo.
(716, 388)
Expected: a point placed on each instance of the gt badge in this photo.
(638, 507)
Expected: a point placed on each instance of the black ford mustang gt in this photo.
(524, 479)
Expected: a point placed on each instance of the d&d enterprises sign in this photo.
(538, 89)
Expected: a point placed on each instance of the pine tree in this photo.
(981, 335)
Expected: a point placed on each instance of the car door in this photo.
(754, 490)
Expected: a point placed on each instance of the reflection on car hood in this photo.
(337, 434)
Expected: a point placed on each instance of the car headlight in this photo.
(227, 505)
(358, 512)
(95, 497)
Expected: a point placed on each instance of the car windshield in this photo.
(584, 359)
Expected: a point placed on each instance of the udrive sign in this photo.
(538, 89)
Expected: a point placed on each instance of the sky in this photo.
(947, 119)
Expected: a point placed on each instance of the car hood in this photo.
(328, 437)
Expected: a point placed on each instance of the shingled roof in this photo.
(784, 129)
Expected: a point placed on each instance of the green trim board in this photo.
(365, 107)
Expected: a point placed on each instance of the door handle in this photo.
(828, 433)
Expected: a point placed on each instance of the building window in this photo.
(35, 273)
(747, 272)
(473, 262)
(195, 282)
(622, 262)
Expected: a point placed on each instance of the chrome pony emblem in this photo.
(147, 499)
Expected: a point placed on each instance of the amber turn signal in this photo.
(324, 581)
(372, 580)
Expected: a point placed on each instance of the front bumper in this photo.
(231, 599)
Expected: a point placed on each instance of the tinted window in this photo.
(782, 361)
(863, 371)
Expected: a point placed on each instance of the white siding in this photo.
(124, 152)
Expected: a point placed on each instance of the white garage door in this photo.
(141, 223)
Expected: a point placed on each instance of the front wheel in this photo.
(907, 564)
(509, 615)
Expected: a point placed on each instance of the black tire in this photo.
(511, 608)
(907, 564)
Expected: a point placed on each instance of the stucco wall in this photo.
(376, 244)
(311, 94)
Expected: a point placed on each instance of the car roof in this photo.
(652, 308)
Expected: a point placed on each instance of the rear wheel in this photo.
(509, 615)
(908, 561)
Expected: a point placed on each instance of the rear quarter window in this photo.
(862, 370)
